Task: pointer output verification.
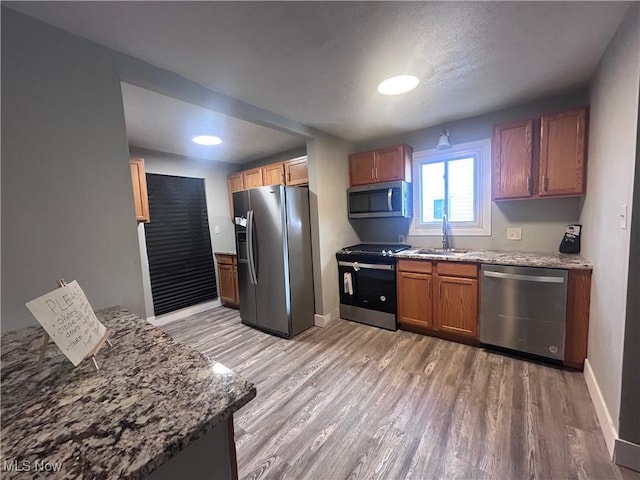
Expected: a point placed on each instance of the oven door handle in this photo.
(369, 266)
(389, 194)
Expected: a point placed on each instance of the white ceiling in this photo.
(319, 63)
(162, 123)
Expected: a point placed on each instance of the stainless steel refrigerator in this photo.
(275, 272)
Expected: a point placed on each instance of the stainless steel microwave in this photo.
(388, 199)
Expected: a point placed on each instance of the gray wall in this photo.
(215, 182)
(277, 157)
(630, 396)
(330, 231)
(612, 151)
(542, 221)
(67, 202)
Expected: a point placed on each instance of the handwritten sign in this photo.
(67, 316)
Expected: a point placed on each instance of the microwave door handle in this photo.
(389, 193)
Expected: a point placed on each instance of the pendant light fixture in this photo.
(443, 140)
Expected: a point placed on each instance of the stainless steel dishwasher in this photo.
(524, 309)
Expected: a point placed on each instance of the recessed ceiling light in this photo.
(207, 140)
(398, 84)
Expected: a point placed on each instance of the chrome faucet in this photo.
(445, 234)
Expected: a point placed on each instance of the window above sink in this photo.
(456, 183)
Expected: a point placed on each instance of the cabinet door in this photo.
(252, 178)
(296, 172)
(235, 184)
(512, 160)
(415, 294)
(273, 174)
(236, 299)
(562, 153)
(390, 164)
(361, 168)
(139, 183)
(457, 306)
(226, 283)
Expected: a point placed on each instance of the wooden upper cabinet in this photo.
(296, 171)
(139, 183)
(562, 153)
(362, 168)
(273, 174)
(512, 160)
(252, 178)
(534, 159)
(236, 184)
(457, 306)
(382, 165)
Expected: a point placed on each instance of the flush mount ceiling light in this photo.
(207, 140)
(398, 84)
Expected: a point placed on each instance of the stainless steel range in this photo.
(367, 276)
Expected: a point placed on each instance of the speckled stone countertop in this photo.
(225, 252)
(151, 397)
(505, 257)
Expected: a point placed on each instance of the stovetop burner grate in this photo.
(375, 248)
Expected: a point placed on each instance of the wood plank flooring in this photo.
(356, 402)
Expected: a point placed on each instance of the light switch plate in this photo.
(623, 217)
(216, 229)
(514, 233)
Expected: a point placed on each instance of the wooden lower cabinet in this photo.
(414, 305)
(457, 306)
(228, 279)
(438, 298)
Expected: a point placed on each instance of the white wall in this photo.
(216, 189)
(612, 149)
(67, 201)
(331, 230)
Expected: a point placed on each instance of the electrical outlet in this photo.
(514, 233)
(216, 229)
(400, 238)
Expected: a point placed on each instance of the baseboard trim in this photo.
(183, 312)
(602, 412)
(627, 454)
(324, 320)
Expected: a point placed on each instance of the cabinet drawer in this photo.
(418, 266)
(225, 259)
(456, 269)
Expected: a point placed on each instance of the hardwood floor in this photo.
(356, 402)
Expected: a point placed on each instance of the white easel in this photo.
(46, 340)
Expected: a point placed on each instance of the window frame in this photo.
(481, 151)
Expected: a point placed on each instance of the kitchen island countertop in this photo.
(505, 257)
(150, 399)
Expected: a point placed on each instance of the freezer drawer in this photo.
(524, 309)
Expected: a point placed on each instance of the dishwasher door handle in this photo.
(524, 278)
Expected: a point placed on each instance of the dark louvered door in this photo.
(178, 243)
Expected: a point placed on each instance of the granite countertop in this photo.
(151, 397)
(506, 257)
(225, 252)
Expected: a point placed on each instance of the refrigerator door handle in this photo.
(251, 261)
